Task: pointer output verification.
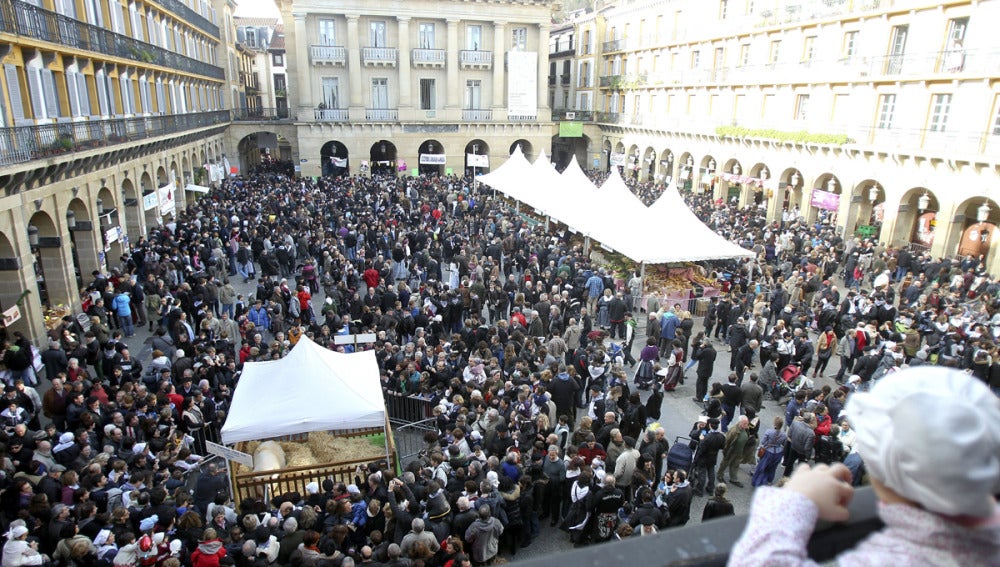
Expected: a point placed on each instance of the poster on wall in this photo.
(825, 200)
(477, 160)
(976, 239)
(150, 201)
(924, 232)
(617, 159)
(522, 83)
(432, 159)
(166, 198)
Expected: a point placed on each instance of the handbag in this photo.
(760, 451)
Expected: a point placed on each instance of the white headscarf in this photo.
(932, 435)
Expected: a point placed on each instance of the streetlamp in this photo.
(873, 193)
(831, 185)
(711, 166)
(983, 212)
(71, 220)
(33, 236)
(736, 169)
(475, 152)
(795, 180)
(765, 173)
(923, 202)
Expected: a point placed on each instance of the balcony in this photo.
(26, 20)
(335, 55)
(21, 144)
(475, 59)
(259, 114)
(608, 117)
(561, 50)
(378, 56)
(612, 46)
(429, 58)
(381, 114)
(610, 81)
(564, 79)
(574, 115)
(475, 115)
(331, 114)
(522, 117)
(190, 16)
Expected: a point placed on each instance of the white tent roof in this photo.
(311, 389)
(510, 177)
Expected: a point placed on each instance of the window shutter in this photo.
(35, 89)
(81, 89)
(51, 98)
(74, 103)
(14, 88)
(110, 85)
(102, 94)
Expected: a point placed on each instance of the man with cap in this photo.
(930, 439)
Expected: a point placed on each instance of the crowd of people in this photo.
(523, 347)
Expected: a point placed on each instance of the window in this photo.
(996, 122)
(956, 30)
(586, 42)
(801, 106)
(585, 104)
(850, 47)
(954, 56)
(940, 106)
(331, 92)
(425, 35)
(519, 38)
(427, 92)
(897, 48)
(278, 59)
(473, 37)
(251, 37)
(327, 33)
(723, 9)
(886, 109)
(376, 35)
(807, 48)
(695, 59)
(744, 54)
(473, 94)
(772, 56)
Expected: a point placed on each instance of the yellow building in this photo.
(884, 115)
(417, 86)
(104, 107)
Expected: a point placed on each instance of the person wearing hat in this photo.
(18, 551)
(930, 439)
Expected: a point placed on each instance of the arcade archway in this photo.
(526, 149)
(335, 159)
(383, 158)
(432, 158)
(916, 221)
(477, 158)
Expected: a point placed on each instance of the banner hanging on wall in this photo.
(522, 83)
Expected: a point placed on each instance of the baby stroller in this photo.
(680, 455)
(786, 377)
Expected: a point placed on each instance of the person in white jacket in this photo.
(18, 551)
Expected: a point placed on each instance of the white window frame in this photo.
(519, 38)
(327, 32)
(473, 94)
(377, 33)
(428, 102)
(380, 93)
(474, 37)
(940, 108)
(886, 111)
(425, 35)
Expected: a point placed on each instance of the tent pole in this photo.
(586, 245)
(642, 279)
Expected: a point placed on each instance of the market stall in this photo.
(324, 410)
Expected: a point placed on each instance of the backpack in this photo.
(116, 499)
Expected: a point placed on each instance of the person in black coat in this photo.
(706, 455)
(718, 505)
(705, 354)
(647, 509)
(678, 500)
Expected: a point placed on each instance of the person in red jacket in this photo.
(210, 550)
(823, 421)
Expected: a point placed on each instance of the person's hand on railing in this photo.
(829, 488)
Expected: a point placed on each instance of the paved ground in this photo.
(679, 412)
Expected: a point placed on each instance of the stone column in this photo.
(404, 62)
(454, 100)
(499, 52)
(544, 113)
(354, 62)
(303, 72)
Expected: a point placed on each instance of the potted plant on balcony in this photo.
(62, 144)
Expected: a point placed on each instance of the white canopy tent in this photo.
(311, 389)
(510, 177)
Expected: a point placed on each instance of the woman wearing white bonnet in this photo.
(930, 439)
(18, 551)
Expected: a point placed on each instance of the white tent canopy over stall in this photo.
(311, 389)
(509, 178)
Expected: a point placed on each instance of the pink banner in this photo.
(825, 200)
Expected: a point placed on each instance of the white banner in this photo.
(112, 234)
(338, 161)
(150, 201)
(617, 159)
(196, 188)
(522, 83)
(228, 168)
(432, 159)
(166, 196)
(477, 160)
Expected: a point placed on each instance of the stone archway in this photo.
(686, 174)
(867, 209)
(51, 272)
(648, 165)
(431, 158)
(382, 157)
(974, 229)
(110, 230)
(335, 159)
(606, 153)
(85, 248)
(665, 167)
(133, 210)
(790, 185)
(824, 199)
(706, 181)
(526, 149)
(477, 158)
(12, 291)
(916, 219)
(761, 187)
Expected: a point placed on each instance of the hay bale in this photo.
(298, 454)
(329, 448)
